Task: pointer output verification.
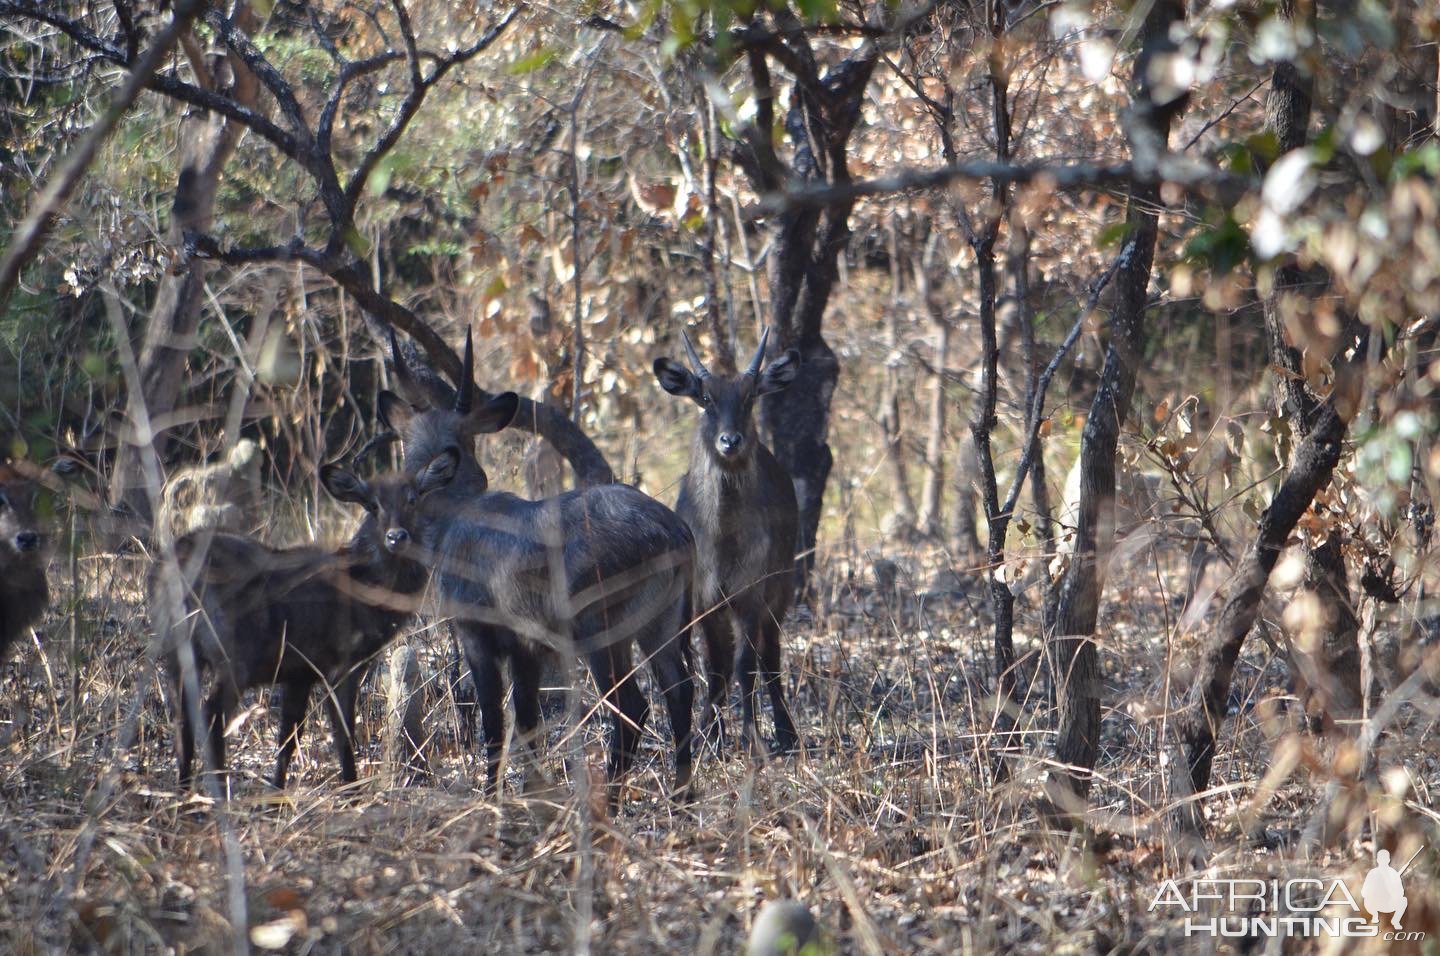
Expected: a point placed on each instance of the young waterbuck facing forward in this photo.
(255, 615)
(740, 504)
(24, 591)
(589, 572)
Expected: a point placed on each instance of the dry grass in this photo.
(887, 826)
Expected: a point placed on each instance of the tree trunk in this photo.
(1019, 266)
(1203, 709)
(803, 270)
(1074, 660)
(932, 493)
(964, 534)
(901, 520)
(1328, 674)
(206, 144)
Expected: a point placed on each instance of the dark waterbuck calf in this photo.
(254, 616)
(740, 503)
(24, 591)
(590, 572)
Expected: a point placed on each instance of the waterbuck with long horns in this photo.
(253, 615)
(740, 504)
(24, 590)
(592, 572)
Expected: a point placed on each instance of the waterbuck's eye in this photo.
(411, 497)
(706, 400)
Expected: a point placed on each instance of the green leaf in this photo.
(356, 243)
(1220, 244)
(1113, 235)
(1265, 145)
(531, 63)
(93, 365)
(1413, 162)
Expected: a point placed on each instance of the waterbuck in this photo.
(254, 616)
(24, 590)
(589, 572)
(740, 504)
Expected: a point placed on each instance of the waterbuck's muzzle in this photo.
(728, 444)
(27, 541)
(395, 539)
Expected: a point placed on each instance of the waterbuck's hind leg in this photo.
(293, 706)
(671, 673)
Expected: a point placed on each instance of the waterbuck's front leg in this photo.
(718, 629)
(490, 698)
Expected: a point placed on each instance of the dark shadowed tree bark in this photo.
(1203, 708)
(807, 241)
(1074, 659)
(1328, 670)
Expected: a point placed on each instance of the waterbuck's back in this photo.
(511, 561)
(262, 612)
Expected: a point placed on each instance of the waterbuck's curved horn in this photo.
(465, 397)
(403, 379)
(695, 362)
(759, 359)
(416, 382)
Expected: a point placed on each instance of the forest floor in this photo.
(888, 825)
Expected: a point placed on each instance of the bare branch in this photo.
(30, 235)
(279, 87)
(415, 97)
(1195, 175)
(172, 86)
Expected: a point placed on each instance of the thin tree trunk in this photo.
(964, 533)
(1327, 674)
(206, 142)
(1073, 655)
(1203, 710)
(932, 493)
(1019, 265)
(804, 269)
(901, 520)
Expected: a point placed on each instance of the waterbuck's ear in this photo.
(780, 373)
(439, 472)
(395, 413)
(344, 486)
(676, 378)
(494, 414)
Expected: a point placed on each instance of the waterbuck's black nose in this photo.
(27, 541)
(728, 443)
(396, 538)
